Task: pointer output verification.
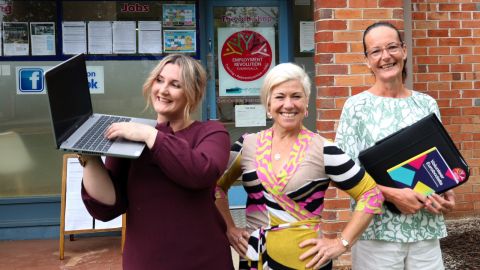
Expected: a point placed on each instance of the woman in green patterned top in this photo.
(393, 241)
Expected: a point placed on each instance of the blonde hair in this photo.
(282, 73)
(193, 75)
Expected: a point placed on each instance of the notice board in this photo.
(75, 218)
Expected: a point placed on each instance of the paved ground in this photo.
(461, 248)
(461, 251)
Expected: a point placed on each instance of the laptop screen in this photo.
(69, 96)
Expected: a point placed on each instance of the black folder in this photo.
(421, 156)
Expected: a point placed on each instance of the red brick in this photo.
(439, 51)
(450, 111)
(449, 24)
(362, 4)
(322, 14)
(426, 60)
(421, 50)
(436, 86)
(419, 16)
(333, 226)
(460, 16)
(422, 33)
(471, 94)
(332, 4)
(324, 80)
(471, 59)
(353, 80)
(337, 203)
(470, 24)
(442, 16)
(333, 92)
(425, 42)
(339, 36)
(329, 114)
(449, 7)
(348, 13)
(462, 68)
(390, 3)
(349, 58)
(339, 102)
(445, 59)
(359, 69)
(360, 25)
(359, 89)
(332, 69)
(323, 36)
(460, 32)
(438, 68)
(325, 103)
(471, 111)
(426, 25)
(471, 41)
(332, 25)
(324, 58)
(331, 47)
(449, 42)
(398, 14)
(453, 94)
(437, 33)
(380, 13)
(426, 77)
(469, 7)
(325, 125)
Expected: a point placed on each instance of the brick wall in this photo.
(446, 60)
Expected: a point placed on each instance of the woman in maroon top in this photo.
(167, 193)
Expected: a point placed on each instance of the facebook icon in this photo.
(31, 80)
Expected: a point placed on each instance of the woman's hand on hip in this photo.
(322, 251)
(238, 239)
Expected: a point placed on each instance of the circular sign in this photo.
(246, 55)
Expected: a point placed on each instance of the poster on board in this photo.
(245, 55)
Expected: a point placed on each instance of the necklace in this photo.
(277, 156)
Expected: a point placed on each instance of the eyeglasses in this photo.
(392, 49)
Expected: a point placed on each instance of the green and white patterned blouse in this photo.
(367, 118)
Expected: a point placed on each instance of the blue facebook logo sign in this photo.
(31, 80)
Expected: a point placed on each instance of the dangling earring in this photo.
(269, 115)
(306, 112)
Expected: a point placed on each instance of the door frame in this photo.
(285, 54)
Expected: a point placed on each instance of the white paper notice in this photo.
(100, 37)
(114, 223)
(43, 38)
(149, 37)
(250, 116)
(76, 215)
(15, 38)
(74, 36)
(306, 36)
(124, 37)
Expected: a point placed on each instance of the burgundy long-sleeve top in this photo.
(168, 195)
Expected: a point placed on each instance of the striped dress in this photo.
(284, 209)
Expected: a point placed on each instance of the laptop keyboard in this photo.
(94, 139)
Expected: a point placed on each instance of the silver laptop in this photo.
(75, 127)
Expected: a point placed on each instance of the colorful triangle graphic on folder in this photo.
(418, 162)
(402, 175)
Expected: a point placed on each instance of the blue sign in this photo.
(31, 80)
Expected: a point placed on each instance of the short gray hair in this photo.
(281, 73)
